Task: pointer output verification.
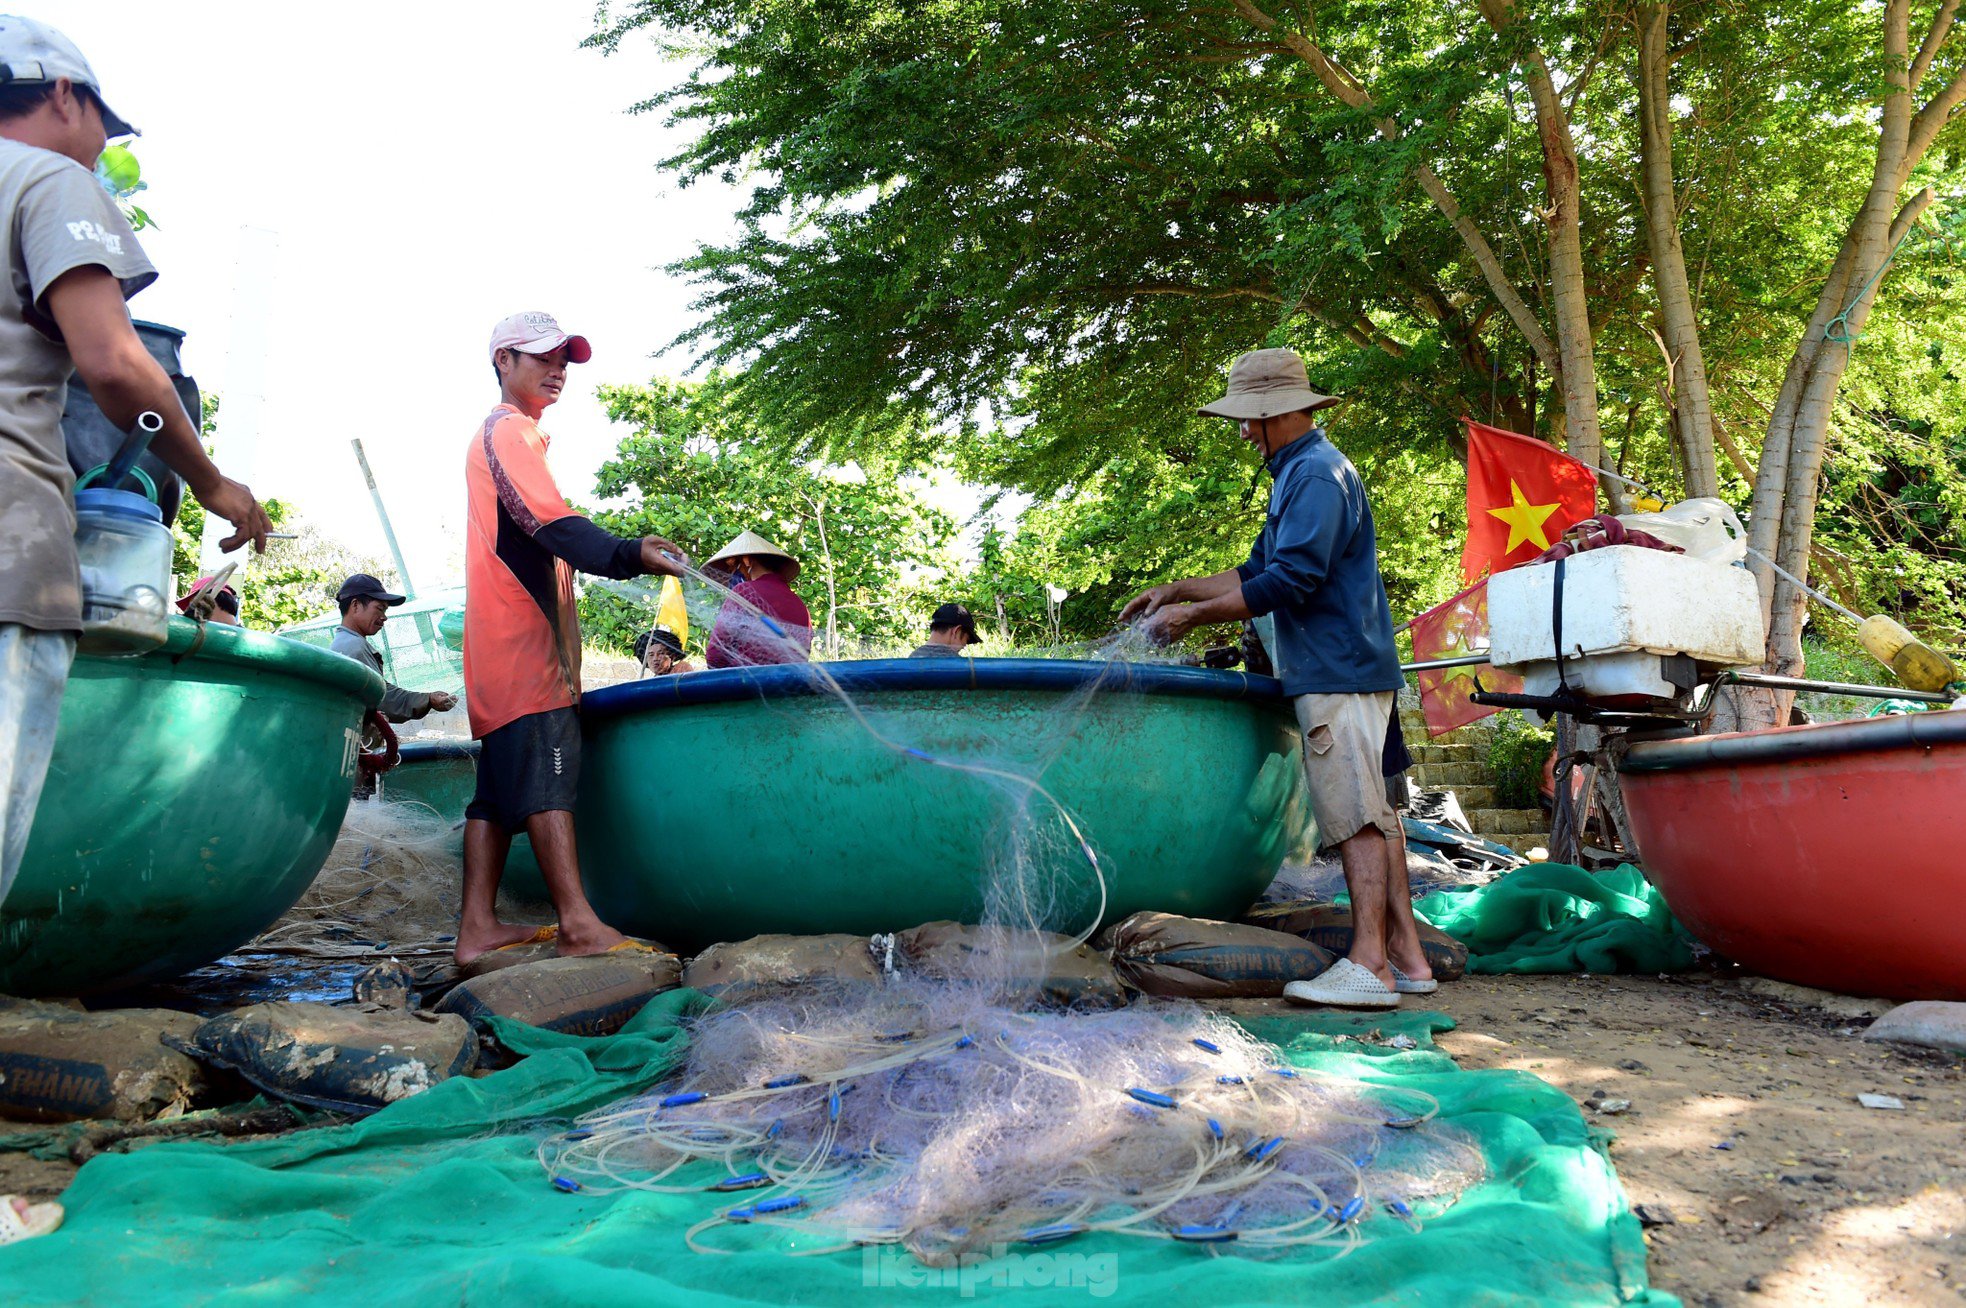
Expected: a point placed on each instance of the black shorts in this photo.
(528, 766)
(1395, 760)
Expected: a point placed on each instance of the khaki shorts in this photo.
(1344, 749)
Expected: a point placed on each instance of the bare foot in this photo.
(1413, 964)
(597, 938)
(472, 944)
(1380, 968)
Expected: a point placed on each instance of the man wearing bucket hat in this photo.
(1315, 569)
(762, 621)
(74, 261)
(523, 543)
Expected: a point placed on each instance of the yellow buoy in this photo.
(1917, 664)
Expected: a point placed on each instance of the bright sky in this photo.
(419, 170)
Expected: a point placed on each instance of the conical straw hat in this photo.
(750, 542)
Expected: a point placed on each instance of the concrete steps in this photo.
(1458, 761)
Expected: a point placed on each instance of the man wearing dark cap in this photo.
(1315, 567)
(660, 652)
(365, 607)
(951, 630)
(72, 262)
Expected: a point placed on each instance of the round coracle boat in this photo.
(193, 794)
(1822, 854)
(443, 774)
(874, 796)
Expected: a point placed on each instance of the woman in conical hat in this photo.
(762, 621)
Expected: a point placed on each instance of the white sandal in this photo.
(19, 1219)
(1343, 985)
(1406, 985)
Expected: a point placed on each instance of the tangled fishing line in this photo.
(934, 1115)
(930, 1117)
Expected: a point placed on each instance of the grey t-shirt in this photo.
(55, 218)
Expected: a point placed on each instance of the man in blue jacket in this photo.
(1315, 568)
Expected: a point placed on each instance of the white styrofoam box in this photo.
(1623, 599)
(1602, 676)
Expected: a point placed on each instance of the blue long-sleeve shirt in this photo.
(1315, 567)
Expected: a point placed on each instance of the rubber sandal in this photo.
(1406, 985)
(38, 1219)
(1343, 985)
(632, 947)
(545, 935)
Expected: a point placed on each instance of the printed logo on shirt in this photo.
(84, 230)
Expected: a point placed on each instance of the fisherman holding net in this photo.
(1315, 569)
(522, 643)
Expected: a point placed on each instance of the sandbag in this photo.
(765, 963)
(1329, 927)
(1029, 966)
(336, 1058)
(590, 996)
(1193, 958)
(58, 1064)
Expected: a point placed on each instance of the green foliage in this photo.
(122, 177)
(1517, 752)
(1036, 233)
(294, 580)
(698, 469)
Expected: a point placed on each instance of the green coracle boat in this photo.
(444, 775)
(194, 793)
(723, 804)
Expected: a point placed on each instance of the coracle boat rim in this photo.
(787, 680)
(1797, 744)
(259, 651)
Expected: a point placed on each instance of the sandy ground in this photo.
(1744, 1125)
(1744, 1135)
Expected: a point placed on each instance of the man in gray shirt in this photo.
(72, 261)
(365, 607)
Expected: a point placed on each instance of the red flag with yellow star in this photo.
(1449, 630)
(1522, 493)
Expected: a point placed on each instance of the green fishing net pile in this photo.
(1552, 917)
(439, 1199)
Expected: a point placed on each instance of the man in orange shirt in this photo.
(522, 642)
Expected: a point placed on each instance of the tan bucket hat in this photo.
(1265, 383)
(750, 542)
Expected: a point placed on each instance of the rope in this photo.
(1837, 329)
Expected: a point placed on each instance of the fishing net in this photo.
(931, 1117)
(938, 1116)
(393, 876)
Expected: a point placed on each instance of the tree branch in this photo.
(1935, 36)
(1340, 82)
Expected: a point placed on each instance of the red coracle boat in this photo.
(1829, 855)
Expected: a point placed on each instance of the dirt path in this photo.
(1744, 1125)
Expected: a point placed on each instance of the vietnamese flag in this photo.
(1522, 494)
(1453, 629)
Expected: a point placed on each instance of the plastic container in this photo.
(125, 550)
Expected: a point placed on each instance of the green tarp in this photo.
(438, 1200)
(1552, 917)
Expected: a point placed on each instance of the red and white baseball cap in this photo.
(538, 333)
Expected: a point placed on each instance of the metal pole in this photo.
(1428, 665)
(389, 532)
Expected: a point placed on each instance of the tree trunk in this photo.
(1787, 486)
(1569, 294)
(1691, 408)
